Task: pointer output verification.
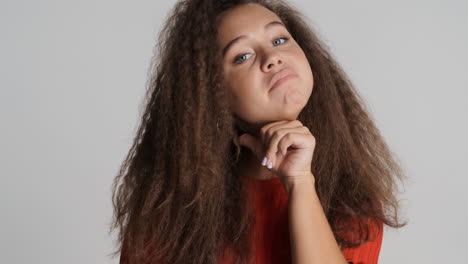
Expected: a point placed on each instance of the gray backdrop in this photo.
(73, 74)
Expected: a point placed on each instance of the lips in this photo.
(281, 75)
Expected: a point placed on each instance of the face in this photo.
(253, 63)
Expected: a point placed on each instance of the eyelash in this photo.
(240, 55)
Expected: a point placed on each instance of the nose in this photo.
(273, 58)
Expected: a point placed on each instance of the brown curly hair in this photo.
(177, 198)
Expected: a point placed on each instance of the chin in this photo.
(292, 111)
(290, 115)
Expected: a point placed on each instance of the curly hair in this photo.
(177, 197)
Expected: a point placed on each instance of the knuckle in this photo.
(277, 133)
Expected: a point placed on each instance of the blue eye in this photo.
(281, 38)
(238, 61)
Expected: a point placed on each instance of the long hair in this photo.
(177, 198)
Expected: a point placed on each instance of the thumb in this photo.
(252, 143)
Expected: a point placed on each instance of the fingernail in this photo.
(270, 165)
(264, 161)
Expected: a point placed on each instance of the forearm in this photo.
(311, 237)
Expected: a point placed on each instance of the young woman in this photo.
(254, 147)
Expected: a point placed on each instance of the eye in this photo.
(285, 39)
(238, 61)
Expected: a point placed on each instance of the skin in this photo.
(249, 66)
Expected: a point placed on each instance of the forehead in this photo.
(241, 19)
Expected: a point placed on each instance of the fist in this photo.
(286, 148)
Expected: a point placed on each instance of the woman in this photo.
(252, 150)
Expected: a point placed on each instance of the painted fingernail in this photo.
(270, 165)
(264, 161)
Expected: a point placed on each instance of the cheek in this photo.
(300, 57)
(305, 69)
(243, 84)
(246, 93)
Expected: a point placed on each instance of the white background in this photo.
(73, 74)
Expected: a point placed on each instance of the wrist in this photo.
(301, 184)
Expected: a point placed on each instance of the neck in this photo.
(250, 166)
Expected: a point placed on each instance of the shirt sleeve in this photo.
(369, 252)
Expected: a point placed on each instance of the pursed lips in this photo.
(281, 75)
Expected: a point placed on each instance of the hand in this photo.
(288, 147)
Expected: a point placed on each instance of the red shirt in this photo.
(270, 233)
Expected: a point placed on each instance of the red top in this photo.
(270, 233)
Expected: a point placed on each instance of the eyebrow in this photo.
(241, 37)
